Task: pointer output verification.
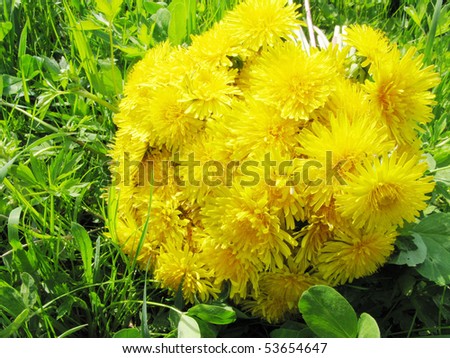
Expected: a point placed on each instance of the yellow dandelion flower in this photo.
(243, 79)
(172, 126)
(284, 189)
(161, 64)
(339, 57)
(248, 163)
(333, 151)
(198, 173)
(155, 175)
(259, 129)
(240, 217)
(312, 237)
(205, 165)
(220, 140)
(385, 192)
(314, 181)
(369, 42)
(293, 81)
(143, 184)
(350, 101)
(145, 74)
(215, 47)
(139, 130)
(279, 292)
(259, 23)
(178, 267)
(129, 235)
(232, 267)
(400, 88)
(138, 179)
(412, 148)
(354, 253)
(208, 90)
(166, 223)
(126, 153)
(343, 143)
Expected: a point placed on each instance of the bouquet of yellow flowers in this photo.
(252, 163)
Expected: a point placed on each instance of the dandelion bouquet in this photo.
(249, 164)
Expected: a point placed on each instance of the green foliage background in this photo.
(62, 69)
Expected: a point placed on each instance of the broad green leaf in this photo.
(368, 327)
(152, 7)
(11, 85)
(178, 22)
(5, 27)
(442, 153)
(162, 21)
(188, 327)
(328, 313)
(411, 11)
(131, 51)
(110, 8)
(11, 300)
(84, 244)
(213, 314)
(39, 170)
(128, 333)
(28, 289)
(443, 176)
(207, 330)
(162, 18)
(26, 175)
(111, 79)
(88, 25)
(431, 162)
(51, 66)
(30, 65)
(413, 251)
(435, 233)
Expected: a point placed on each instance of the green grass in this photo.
(62, 68)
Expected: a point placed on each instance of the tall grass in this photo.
(62, 69)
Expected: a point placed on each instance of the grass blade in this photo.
(432, 33)
(13, 226)
(72, 330)
(85, 245)
(16, 324)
